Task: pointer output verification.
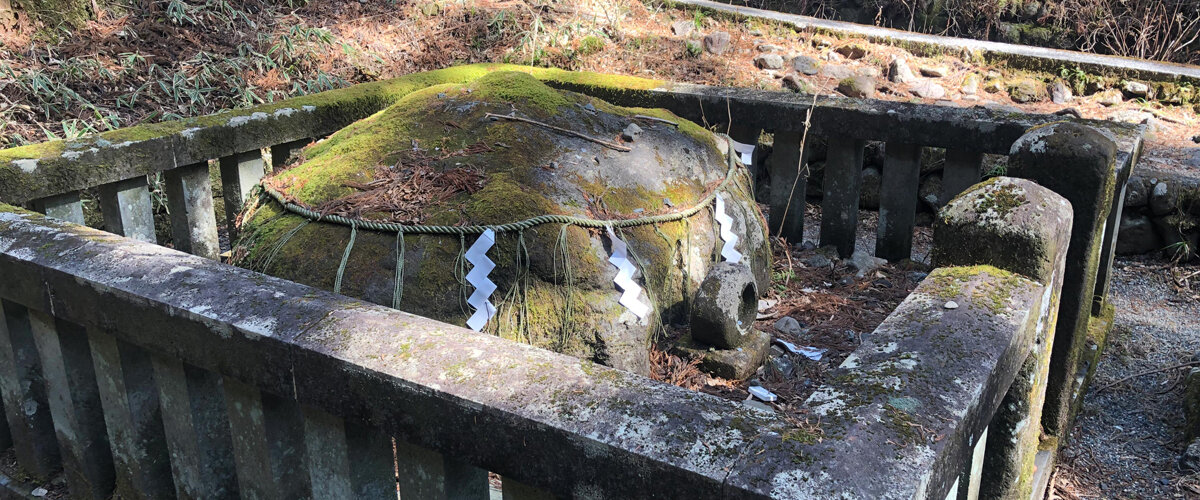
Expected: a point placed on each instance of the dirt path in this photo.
(1127, 439)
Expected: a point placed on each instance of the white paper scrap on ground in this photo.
(763, 394)
(478, 277)
(625, 270)
(745, 151)
(728, 251)
(809, 352)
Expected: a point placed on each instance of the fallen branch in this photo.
(656, 119)
(1148, 372)
(601, 142)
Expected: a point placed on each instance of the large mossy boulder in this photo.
(462, 167)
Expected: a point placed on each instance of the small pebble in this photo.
(951, 305)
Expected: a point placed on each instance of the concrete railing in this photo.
(49, 178)
(154, 373)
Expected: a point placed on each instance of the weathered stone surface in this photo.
(768, 61)
(1136, 193)
(934, 71)
(1013, 224)
(806, 65)
(865, 263)
(970, 84)
(1191, 403)
(788, 325)
(725, 306)
(794, 82)
(1161, 201)
(1190, 459)
(1110, 97)
(857, 86)
(576, 313)
(852, 51)
(737, 363)
(1078, 163)
(1135, 89)
(836, 71)
(899, 71)
(1137, 235)
(717, 42)
(768, 47)
(1026, 90)
(683, 27)
(928, 90)
(868, 197)
(1060, 93)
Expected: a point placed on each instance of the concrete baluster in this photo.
(898, 201)
(23, 390)
(425, 473)
(788, 184)
(190, 199)
(282, 153)
(66, 207)
(196, 427)
(239, 174)
(74, 401)
(961, 171)
(128, 209)
(125, 379)
(839, 208)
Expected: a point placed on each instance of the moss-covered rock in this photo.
(555, 284)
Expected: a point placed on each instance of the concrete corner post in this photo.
(1018, 226)
(1078, 163)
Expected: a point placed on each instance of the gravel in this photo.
(1127, 439)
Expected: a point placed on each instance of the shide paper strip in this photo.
(744, 151)
(728, 251)
(478, 277)
(624, 279)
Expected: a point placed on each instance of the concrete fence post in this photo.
(128, 209)
(193, 221)
(23, 390)
(1078, 163)
(239, 174)
(196, 428)
(839, 206)
(1021, 227)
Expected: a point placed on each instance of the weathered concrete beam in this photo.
(1019, 226)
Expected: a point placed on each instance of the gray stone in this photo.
(683, 27)
(768, 61)
(805, 65)
(934, 71)
(870, 71)
(868, 195)
(767, 47)
(1161, 202)
(758, 405)
(1130, 116)
(793, 82)
(1110, 97)
(852, 51)
(725, 306)
(1137, 235)
(865, 262)
(779, 364)
(993, 86)
(1135, 89)
(1136, 194)
(1191, 401)
(1060, 93)
(821, 41)
(717, 42)
(930, 192)
(631, 131)
(1190, 460)
(927, 90)
(832, 56)
(1026, 90)
(817, 260)
(836, 71)
(857, 86)
(970, 84)
(736, 364)
(614, 334)
(788, 325)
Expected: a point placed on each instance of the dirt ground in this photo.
(1129, 435)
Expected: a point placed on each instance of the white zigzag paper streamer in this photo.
(478, 277)
(746, 151)
(728, 251)
(624, 279)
